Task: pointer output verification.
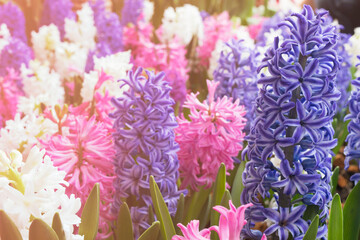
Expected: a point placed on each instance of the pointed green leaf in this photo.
(218, 192)
(226, 198)
(205, 213)
(334, 180)
(179, 215)
(151, 215)
(238, 186)
(167, 229)
(39, 230)
(57, 226)
(151, 233)
(351, 214)
(197, 201)
(90, 215)
(335, 227)
(124, 228)
(8, 229)
(313, 228)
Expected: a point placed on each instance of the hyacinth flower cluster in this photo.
(144, 138)
(131, 11)
(237, 75)
(231, 223)
(352, 150)
(55, 12)
(290, 143)
(212, 134)
(13, 17)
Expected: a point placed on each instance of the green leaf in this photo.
(57, 226)
(238, 186)
(8, 229)
(151, 215)
(351, 214)
(335, 227)
(167, 229)
(334, 180)
(151, 233)
(310, 212)
(90, 215)
(205, 214)
(342, 136)
(218, 192)
(39, 230)
(313, 228)
(226, 198)
(197, 202)
(124, 228)
(179, 215)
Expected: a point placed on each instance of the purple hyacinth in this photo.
(290, 142)
(237, 75)
(13, 17)
(55, 11)
(144, 123)
(13, 55)
(131, 11)
(352, 150)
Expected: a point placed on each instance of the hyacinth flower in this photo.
(144, 138)
(216, 28)
(237, 75)
(85, 153)
(131, 11)
(295, 108)
(13, 17)
(231, 223)
(212, 136)
(55, 11)
(352, 150)
(13, 55)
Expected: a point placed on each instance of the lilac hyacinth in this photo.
(109, 33)
(13, 55)
(237, 74)
(13, 17)
(271, 25)
(55, 11)
(352, 150)
(290, 142)
(131, 11)
(144, 137)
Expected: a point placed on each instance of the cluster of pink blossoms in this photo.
(216, 28)
(231, 223)
(212, 135)
(169, 57)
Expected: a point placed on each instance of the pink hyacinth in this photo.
(86, 155)
(169, 57)
(215, 28)
(231, 223)
(9, 96)
(192, 232)
(213, 136)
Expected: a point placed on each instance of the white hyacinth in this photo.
(41, 84)
(148, 10)
(183, 22)
(82, 31)
(22, 133)
(34, 188)
(45, 42)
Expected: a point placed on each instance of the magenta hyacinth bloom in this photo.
(213, 136)
(86, 155)
(231, 223)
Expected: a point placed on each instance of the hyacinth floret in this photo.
(13, 17)
(352, 150)
(237, 74)
(55, 11)
(131, 11)
(289, 145)
(212, 135)
(144, 138)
